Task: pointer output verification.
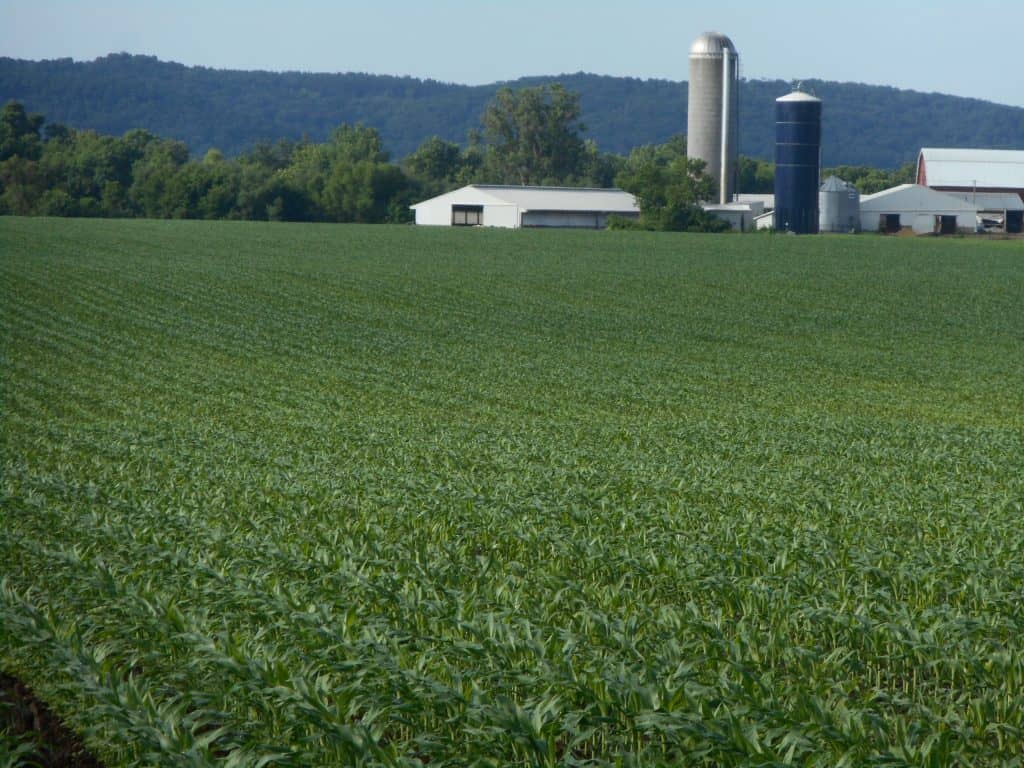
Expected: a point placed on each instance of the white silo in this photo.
(712, 115)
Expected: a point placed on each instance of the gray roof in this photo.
(992, 201)
(543, 198)
(913, 198)
(967, 168)
(835, 184)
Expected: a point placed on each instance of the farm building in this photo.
(972, 170)
(997, 211)
(916, 208)
(511, 207)
(767, 200)
(739, 215)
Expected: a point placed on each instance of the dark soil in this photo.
(31, 721)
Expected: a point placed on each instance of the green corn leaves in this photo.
(293, 496)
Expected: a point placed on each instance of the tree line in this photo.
(531, 136)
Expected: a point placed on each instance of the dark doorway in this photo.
(1015, 222)
(947, 225)
(890, 223)
(467, 215)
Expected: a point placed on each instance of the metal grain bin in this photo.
(839, 204)
(797, 162)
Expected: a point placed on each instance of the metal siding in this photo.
(967, 223)
(503, 216)
(995, 169)
(839, 207)
(434, 214)
(830, 211)
(567, 219)
(797, 158)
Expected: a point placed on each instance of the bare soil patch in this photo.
(26, 717)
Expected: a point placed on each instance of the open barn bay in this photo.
(291, 495)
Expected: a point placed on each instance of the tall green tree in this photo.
(870, 180)
(436, 166)
(19, 133)
(533, 135)
(21, 184)
(669, 187)
(154, 192)
(756, 176)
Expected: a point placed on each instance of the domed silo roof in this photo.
(711, 44)
(799, 96)
(835, 184)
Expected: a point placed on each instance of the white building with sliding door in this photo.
(916, 208)
(511, 207)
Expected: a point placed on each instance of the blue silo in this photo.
(797, 162)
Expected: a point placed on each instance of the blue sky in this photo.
(966, 49)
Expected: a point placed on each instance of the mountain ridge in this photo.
(231, 109)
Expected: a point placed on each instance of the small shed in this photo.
(512, 207)
(740, 216)
(911, 207)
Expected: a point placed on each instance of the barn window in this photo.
(467, 215)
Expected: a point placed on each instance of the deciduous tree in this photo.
(533, 135)
(669, 187)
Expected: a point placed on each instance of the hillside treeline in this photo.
(233, 110)
(525, 137)
(529, 136)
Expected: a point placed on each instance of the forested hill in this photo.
(230, 110)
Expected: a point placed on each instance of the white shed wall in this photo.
(738, 220)
(921, 223)
(506, 216)
(436, 214)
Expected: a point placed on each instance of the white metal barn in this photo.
(511, 207)
(923, 210)
(972, 170)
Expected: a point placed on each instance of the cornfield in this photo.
(301, 495)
